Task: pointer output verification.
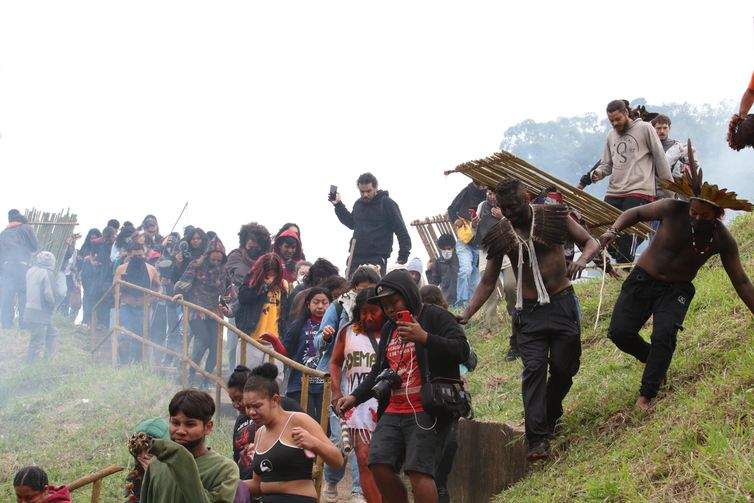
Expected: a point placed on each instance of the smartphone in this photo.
(333, 192)
(403, 316)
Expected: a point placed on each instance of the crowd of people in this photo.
(396, 354)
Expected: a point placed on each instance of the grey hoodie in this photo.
(632, 159)
(43, 290)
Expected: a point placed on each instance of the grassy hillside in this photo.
(73, 417)
(697, 444)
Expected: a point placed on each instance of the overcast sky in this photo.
(250, 110)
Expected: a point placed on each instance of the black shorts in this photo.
(287, 498)
(399, 441)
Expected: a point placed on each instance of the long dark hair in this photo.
(265, 263)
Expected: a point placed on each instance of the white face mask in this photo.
(446, 254)
(301, 277)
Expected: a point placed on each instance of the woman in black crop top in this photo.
(285, 444)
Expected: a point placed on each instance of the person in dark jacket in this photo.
(374, 219)
(288, 246)
(463, 211)
(443, 271)
(18, 243)
(432, 343)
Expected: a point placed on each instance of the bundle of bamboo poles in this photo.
(52, 230)
(432, 228)
(598, 214)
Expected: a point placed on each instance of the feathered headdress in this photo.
(693, 186)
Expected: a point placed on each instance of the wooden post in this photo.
(93, 329)
(324, 419)
(96, 489)
(116, 323)
(184, 351)
(145, 334)
(304, 391)
(242, 344)
(218, 369)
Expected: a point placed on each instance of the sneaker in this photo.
(540, 449)
(512, 355)
(357, 498)
(331, 492)
(442, 495)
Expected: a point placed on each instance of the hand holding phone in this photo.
(403, 316)
(333, 193)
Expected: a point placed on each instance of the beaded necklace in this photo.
(707, 246)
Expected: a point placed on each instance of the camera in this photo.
(183, 247)
(386, 380)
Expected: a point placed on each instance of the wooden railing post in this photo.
(242, 345)
(145, 334)
(96, 489)
(305, 392)
(184, 350)
(218, 368)
(116, 322)
(93, 328)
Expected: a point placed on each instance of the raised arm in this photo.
(345, 216)
(732, 264)
(646, 213)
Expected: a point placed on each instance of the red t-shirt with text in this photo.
(401, 357)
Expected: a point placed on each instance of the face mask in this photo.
(300, 277)
(138, 260)
(702, 226)
(193, 444)
(446, 254)
(254, 253)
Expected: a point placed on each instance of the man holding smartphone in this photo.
(374, 219)
(417, 340)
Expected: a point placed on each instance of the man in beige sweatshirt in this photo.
(632, 157)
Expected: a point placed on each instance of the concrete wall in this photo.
(491, 456)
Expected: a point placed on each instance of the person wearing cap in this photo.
(156, 428)
(660, 285)
(431, 343)
(18, 242)
(184, 469)
(203, 284)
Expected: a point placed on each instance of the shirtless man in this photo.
(660, 284)
(546, 307)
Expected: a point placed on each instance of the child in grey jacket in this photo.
(43, 294)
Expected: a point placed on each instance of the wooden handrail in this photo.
(88, 479)
(265, 349)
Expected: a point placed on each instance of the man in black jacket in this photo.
(374, 219)
(431, 344)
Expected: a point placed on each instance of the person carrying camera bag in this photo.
(421, 345)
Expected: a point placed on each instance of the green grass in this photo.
(72, 416)
(697, 444)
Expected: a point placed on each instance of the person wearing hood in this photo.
(431, 343)
(443, 271)
(138, 272)
(18, 243)
(31, 486)
(290, 226)
(288, 247)
(43, 295)
(633, 156)
(193, 246)
(374, 219)
(253, 242)
(203, 284)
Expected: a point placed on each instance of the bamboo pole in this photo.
(96, 490)
(88, 479)
(145, 332)
(218, 369)
(184, 347)
(305, 392)
(116, 323)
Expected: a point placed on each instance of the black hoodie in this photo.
(446, 346)
(373, 225)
